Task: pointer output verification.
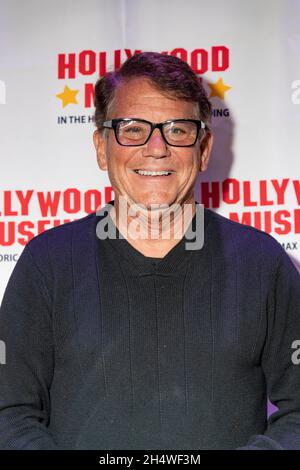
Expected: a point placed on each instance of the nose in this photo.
(156, 145)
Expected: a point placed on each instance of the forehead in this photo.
(140, 98)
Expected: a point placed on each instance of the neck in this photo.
(152, 231)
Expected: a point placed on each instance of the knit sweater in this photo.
(109, 349)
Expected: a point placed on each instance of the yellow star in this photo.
(68, 96)
(218, 89)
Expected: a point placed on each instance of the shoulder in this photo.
(56, 242)
(243, 241)
(62, 233)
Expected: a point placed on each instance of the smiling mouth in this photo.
(153, 173)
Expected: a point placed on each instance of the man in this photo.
(138, 342)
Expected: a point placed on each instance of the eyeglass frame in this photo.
(113, 123)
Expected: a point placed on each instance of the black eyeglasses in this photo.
(175, 132)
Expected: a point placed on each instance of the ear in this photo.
(205, 149)
(100, 146)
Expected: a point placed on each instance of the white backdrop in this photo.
(248, 55)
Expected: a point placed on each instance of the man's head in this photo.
(156, 88)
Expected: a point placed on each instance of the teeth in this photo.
(152, 173)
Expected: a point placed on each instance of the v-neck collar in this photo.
(173, 263)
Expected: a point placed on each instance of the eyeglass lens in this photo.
(137, 132)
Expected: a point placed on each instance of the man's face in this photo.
(139, 99)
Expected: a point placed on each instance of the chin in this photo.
(157, 200)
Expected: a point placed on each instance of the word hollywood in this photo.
(71, 201)
(89, 62)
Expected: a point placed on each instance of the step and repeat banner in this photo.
(51, 54)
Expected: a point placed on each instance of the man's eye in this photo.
(133, 130)
(177, 130)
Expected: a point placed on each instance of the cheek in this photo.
(114, 157)
(118, 164)
(190, 163)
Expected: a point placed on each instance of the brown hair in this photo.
(169, 74)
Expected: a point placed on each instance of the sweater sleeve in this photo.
(26, 375)
(281, 361)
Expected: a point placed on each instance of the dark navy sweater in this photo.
(109, 349)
